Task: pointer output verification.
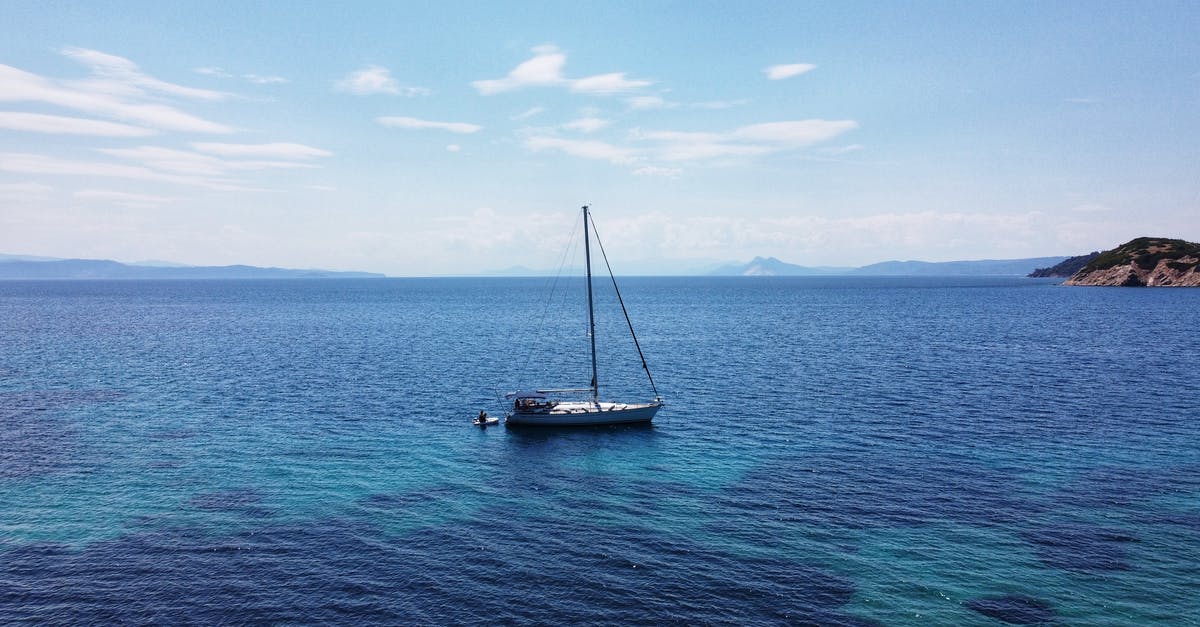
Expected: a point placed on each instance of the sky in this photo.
(437, 138)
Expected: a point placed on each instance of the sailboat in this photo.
(543, 407)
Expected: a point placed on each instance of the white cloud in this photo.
(611, 83)
(24, 191)
(107, 98)
(61, 125)
(586, 125)
(120, 73)
(252, 78)
(545, 69)
(26, 163)
(719, 104)
(528, 113)
(406, 122)
(644, 103)
(795, 132)
(265, 80)
(755, 139)
(652, 170)
(841, 150)
(778, 72)
(125, 199)
(673, 146)
(213, 71)
(583, 148)
(196, 164)
(650, 102)
(453, 148)
(375, 79)
(278, 150)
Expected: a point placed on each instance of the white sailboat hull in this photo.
(586, 414)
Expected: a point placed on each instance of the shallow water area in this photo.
(833, 451)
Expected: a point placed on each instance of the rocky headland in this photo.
(1144, 262)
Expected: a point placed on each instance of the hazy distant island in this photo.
(1143, 262)
(771, 266)
(24, 267)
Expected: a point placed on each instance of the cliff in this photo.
(1145, 261)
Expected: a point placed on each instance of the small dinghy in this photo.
(484, 420)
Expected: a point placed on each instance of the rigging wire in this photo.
(570, 245)
(623, 309)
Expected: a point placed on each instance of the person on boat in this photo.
(482, 417)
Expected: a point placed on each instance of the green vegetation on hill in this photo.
(1146, 252)
(1067, 268)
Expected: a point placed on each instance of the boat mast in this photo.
(587, 254)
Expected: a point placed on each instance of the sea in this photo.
(833, 451)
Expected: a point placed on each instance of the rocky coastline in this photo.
(1144, 262)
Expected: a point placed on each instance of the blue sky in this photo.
(445, 138)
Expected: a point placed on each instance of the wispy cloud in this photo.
(611, 83)
(106, 98)
(213, 71)
(652, 170)
(278, 150)
(528, 113)
(650, 102)
(61, 125)
(545, 69)
(121, 74)
(251, 78)
(646, 103)
(25, 163)
(587, 124)
(124, 199)
(779, 72)
(588, 149)
(264, 80)
(755, 139)
(376, 79)
(24, 191)
(648, 147)
(414, 123)
(194, 163)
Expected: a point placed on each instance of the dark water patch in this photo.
(38, 439)
(1081, 548)
(244, 501)
(1109, 487)
(1186, 520)
(1014, 609)
(334, 570)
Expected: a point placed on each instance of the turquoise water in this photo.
(833, 451)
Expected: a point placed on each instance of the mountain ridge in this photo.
(16, 269)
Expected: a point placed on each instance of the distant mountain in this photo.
(1144, 262)
(1066, 268)
(983, 267)
(4, 257)
(105, 269)
(771, 266)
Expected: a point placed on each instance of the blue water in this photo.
(834, 451)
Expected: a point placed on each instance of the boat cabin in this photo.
(532, 402)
